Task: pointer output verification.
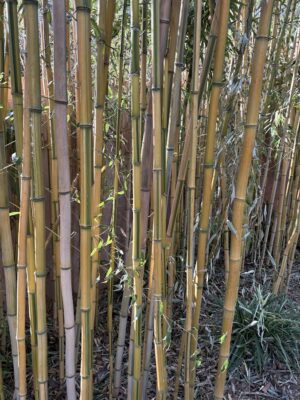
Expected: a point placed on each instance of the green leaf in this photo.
(224, 366)
(109, 273)
(223, 337)
(13, 213)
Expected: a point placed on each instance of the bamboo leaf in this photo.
(231, 227)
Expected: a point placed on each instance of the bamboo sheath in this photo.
(258, 63)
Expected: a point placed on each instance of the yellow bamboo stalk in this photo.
(258, 63)
(37, 200)
(83, 10)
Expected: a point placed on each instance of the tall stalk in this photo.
(7, 249)
(48, 82)
(209, 164)
(38, 199)
(258, 63)
(136, 190)
(176, 89)
(115, 201)
(83, 10)
(15, 73)
(157, 192)
(191, 198)
(61, 130)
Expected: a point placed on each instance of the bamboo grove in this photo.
(149, 158)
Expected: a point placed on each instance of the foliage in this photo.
(266, 329)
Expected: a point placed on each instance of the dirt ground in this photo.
(243, 383)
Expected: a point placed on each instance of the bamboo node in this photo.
(85, 226)
(25, 178)
(250, 125)
(64, 193)
(218, 83)
(164, 21)
(34, 2)
(263, 37)
(179, 65)
(65, 268)
(42, 382)
(36, 199)
(99, 106)
(40, 274)
(10, 266)
(84, 8)
(63, 102)
(41, 333)
(85, 126)
(36, 109)
(70, 376)
(203, 230)
(229, 310)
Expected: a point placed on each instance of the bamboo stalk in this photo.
(83, 10)
(7, 250)
(38, 200)
(15, 73)
(188, 391)
(292, 240)
(115, 202)
(176, 89)
(136, 190)
(157, 192)
(52, 151)
(61, 131)
(258, 63)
